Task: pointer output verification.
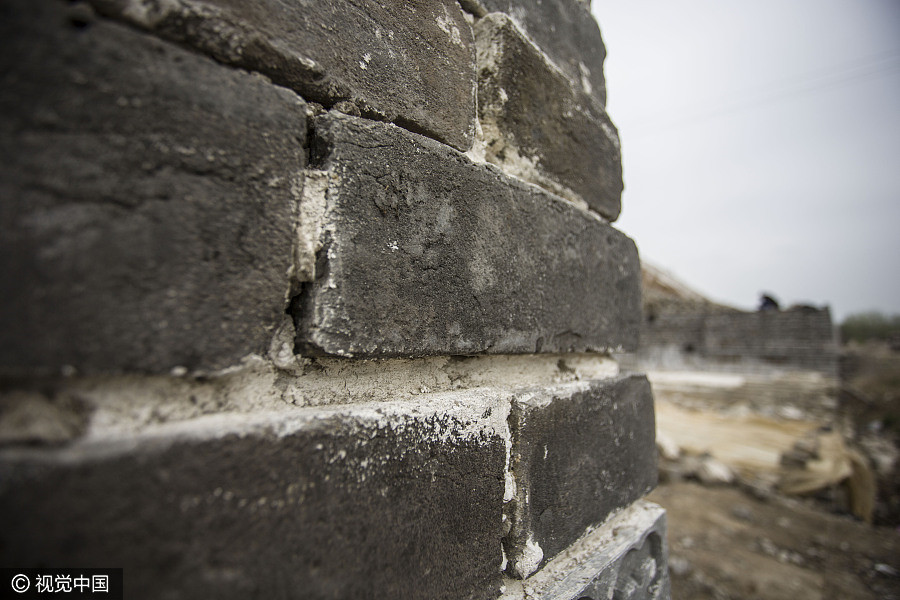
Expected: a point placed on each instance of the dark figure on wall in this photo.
(767, 302)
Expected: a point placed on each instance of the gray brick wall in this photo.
(307, 301)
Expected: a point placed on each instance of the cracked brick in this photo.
(423, 252)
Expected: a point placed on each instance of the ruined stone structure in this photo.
(317, 300)
(683, 329)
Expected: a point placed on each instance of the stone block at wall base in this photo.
(624, 559)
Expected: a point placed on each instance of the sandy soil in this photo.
(746, 442)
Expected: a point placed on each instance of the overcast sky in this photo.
(761, 145)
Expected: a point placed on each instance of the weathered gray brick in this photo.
(539, 126)
(148, 192)
(423, 252)
(625, 559)
(579, 452)
(411, 63)
(565, 30)
(344, 503)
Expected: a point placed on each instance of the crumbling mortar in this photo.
(119, 404)
(520, 560)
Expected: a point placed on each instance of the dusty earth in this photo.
(748, 539)
(724, 543)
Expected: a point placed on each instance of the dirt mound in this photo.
(662, 289)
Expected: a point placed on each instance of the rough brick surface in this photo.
(579, 453)
(337, 504)
(169, 199)
(565, 30)
(148, 192)
(625, 559)
(540, 127)
(410, 62)
(424, 252)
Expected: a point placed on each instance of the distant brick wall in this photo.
(317, 300)
(800, 338)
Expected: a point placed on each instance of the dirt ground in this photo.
(726, 544)
(746, 539)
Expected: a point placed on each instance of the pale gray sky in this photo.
(761, 145)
